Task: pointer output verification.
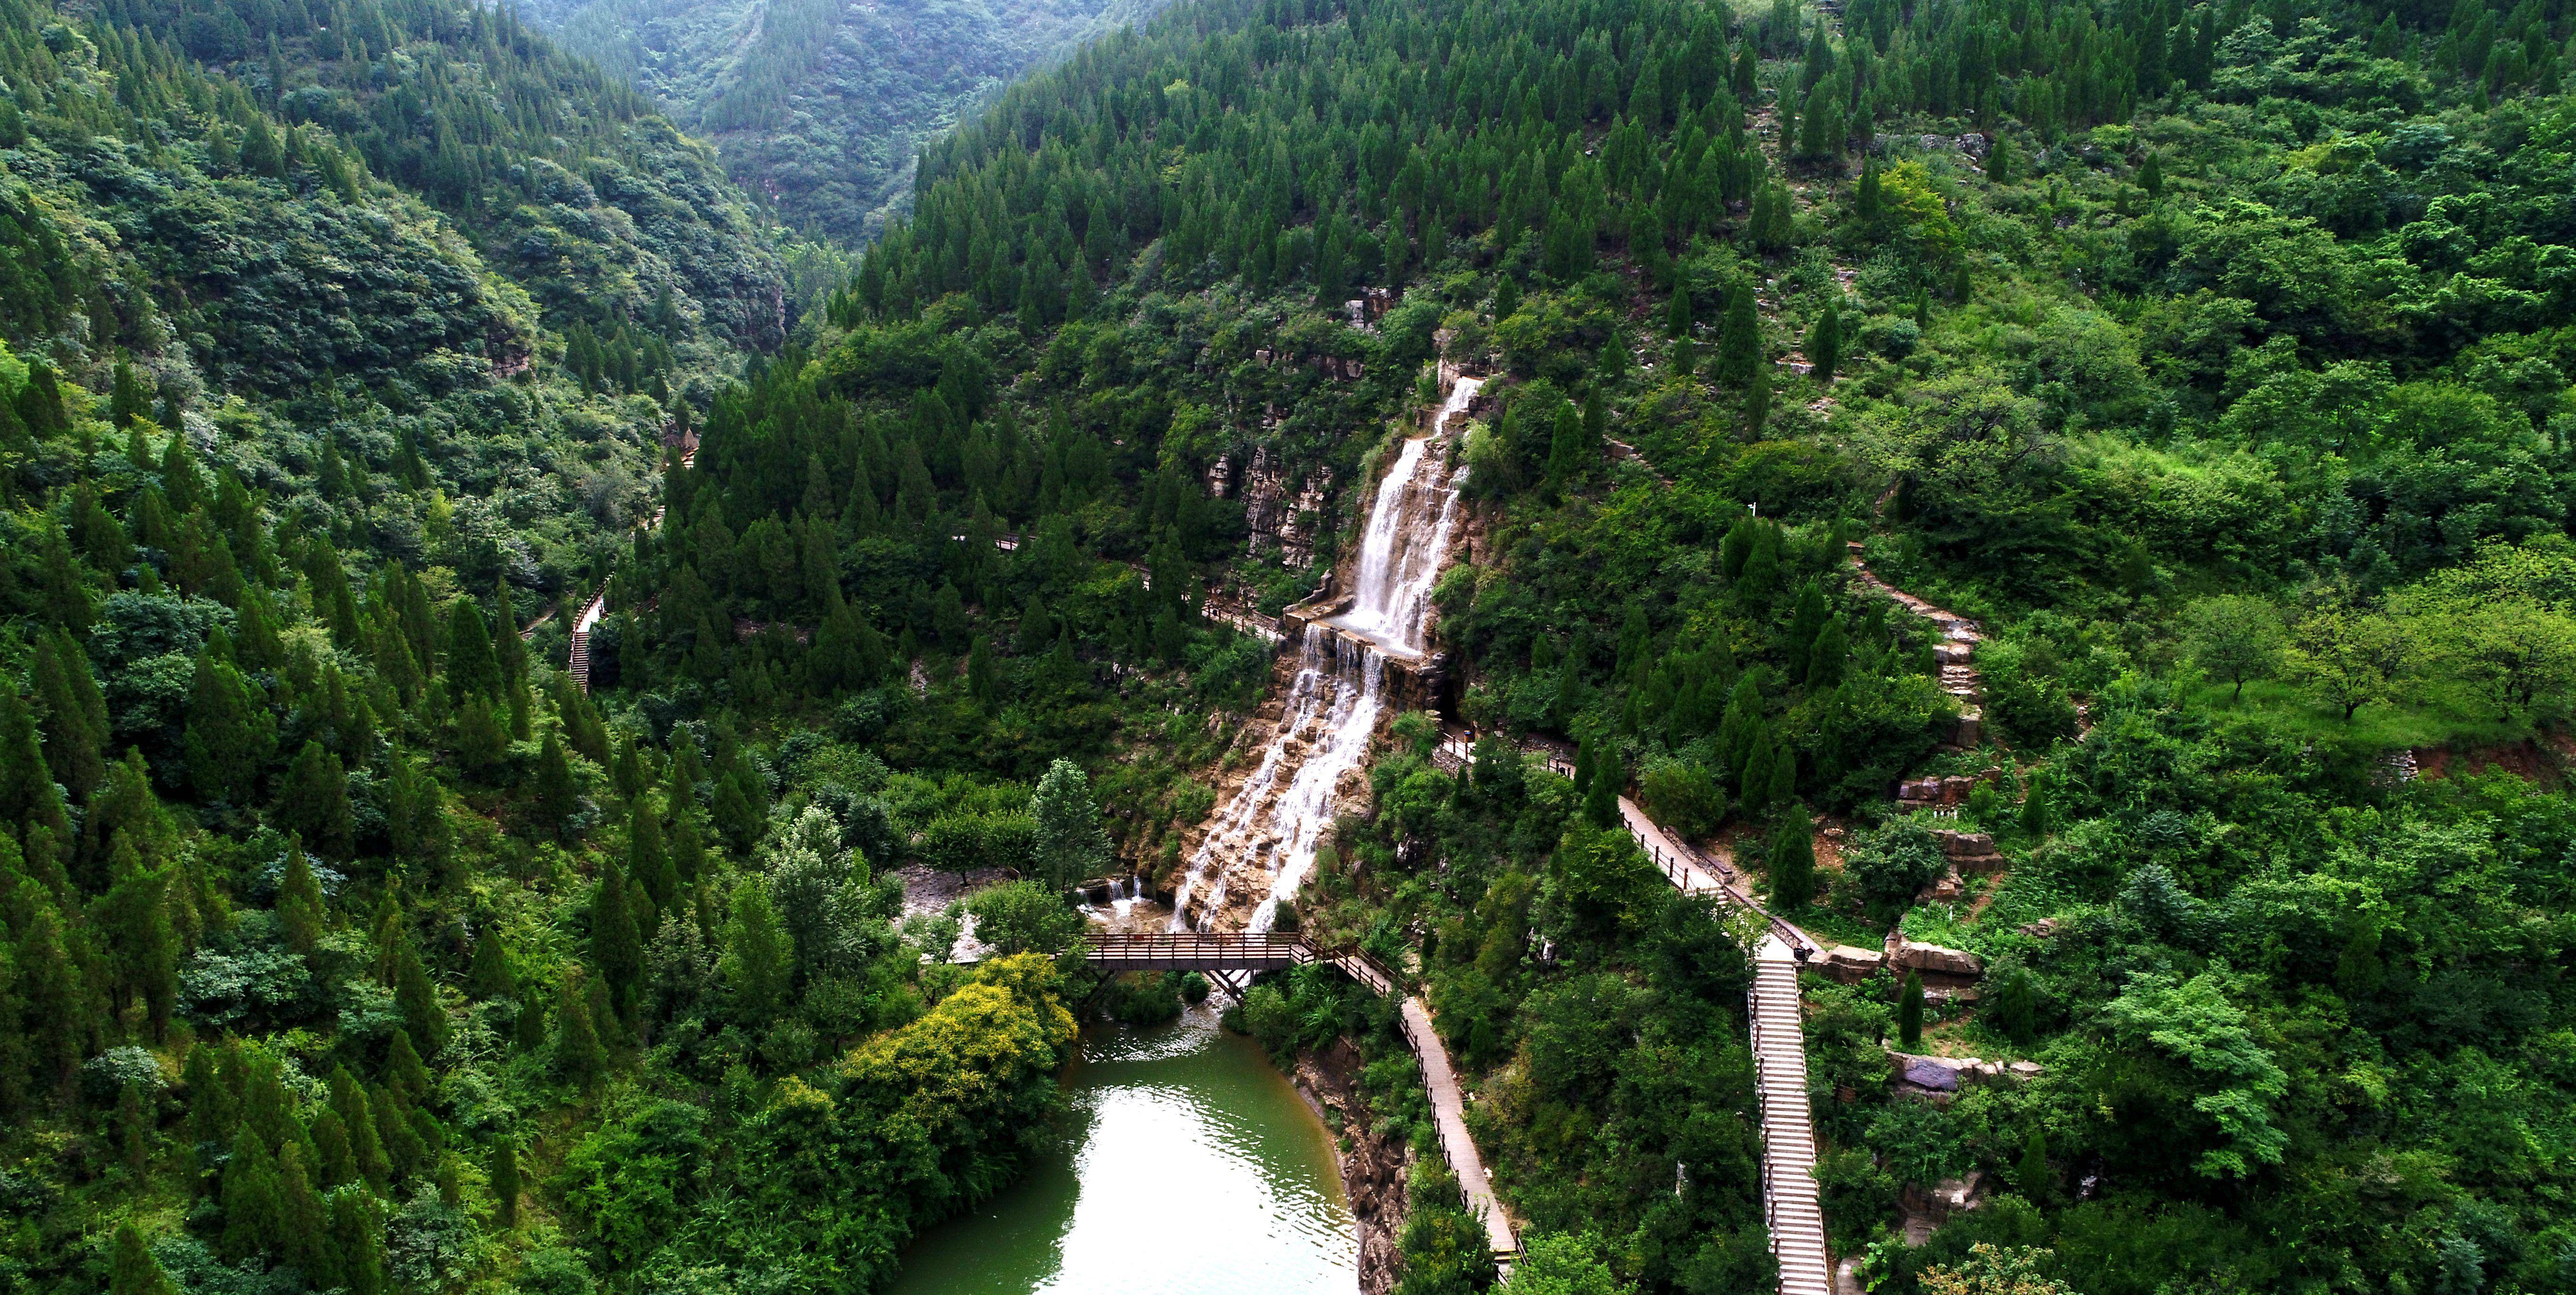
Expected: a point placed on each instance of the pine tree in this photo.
(335, 1160)
(1909, 1010)
(688, 843)
(1568, 458)
(1791, 862)
(1677, 314)
(1999, 160)
(1870, 201)
(2151, 175)
(134, 1131)
(132, 1270)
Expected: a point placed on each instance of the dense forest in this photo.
(2213, 358)
(820, 107)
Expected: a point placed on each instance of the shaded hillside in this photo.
(820, 105)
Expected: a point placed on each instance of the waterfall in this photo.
(1271, 828)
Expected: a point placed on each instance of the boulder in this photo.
(1849, 965)
(1964, 845)
(1937, 960)
(1946, 888)
(1929, 1074)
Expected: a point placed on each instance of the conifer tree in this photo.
(2151, 174)
(75, 713)
(505, 1184)
(132, 1270)
(358, 1238)
(253, 1212)
(553, 797)
(423, 1015)
(757, 956)
(299, 901)
(366, 1140)
(1791, 861)
(468, 666)
(230, 732)
(1071, 846)
(1601, 797)
(688, 843)
(315, 801)
(305, 1220)
(1826, 660)
(579, 1054)
(335, 1160)
(1677, 314)
(1739, 337)
(1909, 1010)
(1869, 201)
(1825, 343)
(27, 790)
(2035, 811)
(403, 1068)
(616, 947)
(1568, 458)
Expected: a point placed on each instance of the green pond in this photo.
(1186, 1165)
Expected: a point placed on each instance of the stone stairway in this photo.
(1789, 1201)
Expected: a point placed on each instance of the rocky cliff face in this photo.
(1373, 1163)
(1282, 512)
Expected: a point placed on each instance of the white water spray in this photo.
(1332, 708)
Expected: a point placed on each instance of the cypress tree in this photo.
(757, 956)
(470, 669)
(27, 791)
(1757, 402)
(403, 1069)
(315, 801)
(1791, 862)
(359, 1238)
(2031, 1176)
(1677, 314)
(1784, 771)
(505, 1184)
(1825, 343)
(366, 1139)
(488, 978)
(1601, 798)
(1753, 790)
(75, 713)
(1870, 201)
(230, 732)
(1739, 337)
(2035, 811)
(578, 1052)
(335, 1160)
(1825, 662)
(132, 1270)
(134, 1131)
(529, 1030)
(252, 1209)
(423, 1015)
(212, 1112)
(1567, 456)
(49, 986)
(2151, 175)
(1909, 1010)
(554, 798)
(1806, 617)
(616, 946)
(299, 901)
(305, 1221)
(1999, 160)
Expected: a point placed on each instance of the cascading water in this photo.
(1272, 826)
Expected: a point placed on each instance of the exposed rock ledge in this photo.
(1373, 1164)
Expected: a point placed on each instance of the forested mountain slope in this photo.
(820, 105)
(2213, 358)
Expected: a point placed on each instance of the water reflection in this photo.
(1188, 1166)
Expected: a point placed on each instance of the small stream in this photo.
(1187, 1165)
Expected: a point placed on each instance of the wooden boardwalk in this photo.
(1270, 951)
